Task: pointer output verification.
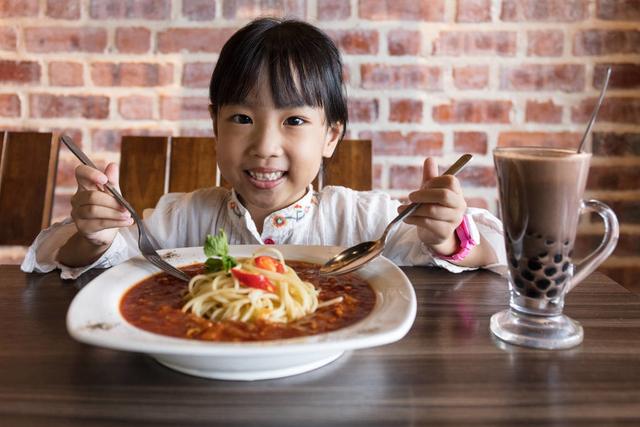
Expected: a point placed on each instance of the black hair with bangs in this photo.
(290, 51)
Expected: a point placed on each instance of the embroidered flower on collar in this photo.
(233, 206)
(279, 221)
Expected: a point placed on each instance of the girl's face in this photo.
(270, 155)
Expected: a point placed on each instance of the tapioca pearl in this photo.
(550, 271)
(519, 283)
(534, 264)
(532, 293)
(552, 292)
(566, 242)
(565, 266)
(538, 236)
(543, 284)
(549, 242)
(528, 275)
(557, 258)
(560, 279)
(543, 254)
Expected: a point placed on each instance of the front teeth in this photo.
(271, 176)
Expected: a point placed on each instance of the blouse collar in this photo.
(278, 224)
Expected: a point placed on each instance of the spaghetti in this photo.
(262, 287)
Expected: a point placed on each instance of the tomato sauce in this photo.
(155, 305)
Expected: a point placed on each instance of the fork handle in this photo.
(87, 161)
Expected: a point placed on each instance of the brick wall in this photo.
(425, 78)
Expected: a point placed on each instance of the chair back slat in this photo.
(193, 164)
(28, 165)
(143, 169)
(350, 165)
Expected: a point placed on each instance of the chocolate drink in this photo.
(540, 193)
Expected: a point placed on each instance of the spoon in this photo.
(356, 256)
(595, 111)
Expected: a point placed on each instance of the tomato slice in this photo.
(257, 281)
(269, 263)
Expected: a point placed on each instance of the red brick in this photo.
(539, 139)
(363, 110)
(196, 132)
(618, 10)
(383, 76)
(623, 76)
(197, 74)
(193, 39)
(9, 105)
(199, 10)
(71, 106)
(470, 142)
(616, 144)
(473, 111)
(131, 74)
(627, 211)
(249, 9)
(473, 11)
(60, 39)
(130, 9)
(606, 42)
(477, 202)
(476, 43)
(67, 164)
(545, 43)
(543, 112)
(136, 107)
(394, 143)
(184, 108)
(7, 39)
(133, 39)
(356, 42)
(20, 72)
(405, 177)
(478, 176)
(333, 10)
(404, 42)
(544, 10)
(68, 9)
(61, 207)
(108, 140)
(405, 110)
(616, 110)
(377, 176)
(471, 77)
(607, 177)
(555, 77)
(15, 8)
(65, 74)
(404, 10)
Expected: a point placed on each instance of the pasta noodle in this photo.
(254, 290)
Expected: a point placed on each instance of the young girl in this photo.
(278, 107)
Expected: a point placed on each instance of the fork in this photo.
(147, 248)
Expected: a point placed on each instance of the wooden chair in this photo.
(28, 165)
(152, 166)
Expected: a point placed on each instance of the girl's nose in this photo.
(266, 142)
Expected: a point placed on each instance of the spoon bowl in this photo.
(356, 256)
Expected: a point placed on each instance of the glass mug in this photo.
(541, 200)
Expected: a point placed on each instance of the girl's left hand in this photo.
(442, 210)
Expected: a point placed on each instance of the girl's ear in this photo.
(332, 138)
(214, 120)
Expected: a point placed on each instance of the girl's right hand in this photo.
(96, 213)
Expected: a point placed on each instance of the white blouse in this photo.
(334, 216)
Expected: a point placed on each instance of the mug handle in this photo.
(607, 245)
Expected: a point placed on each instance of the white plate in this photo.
(94, 318)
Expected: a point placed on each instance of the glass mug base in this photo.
(545, 332)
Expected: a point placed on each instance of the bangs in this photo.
(301, 63)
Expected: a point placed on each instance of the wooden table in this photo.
(447, 371)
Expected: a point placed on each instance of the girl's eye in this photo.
(242, 119)
(294, 121)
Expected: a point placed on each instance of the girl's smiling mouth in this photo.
(264, 178)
